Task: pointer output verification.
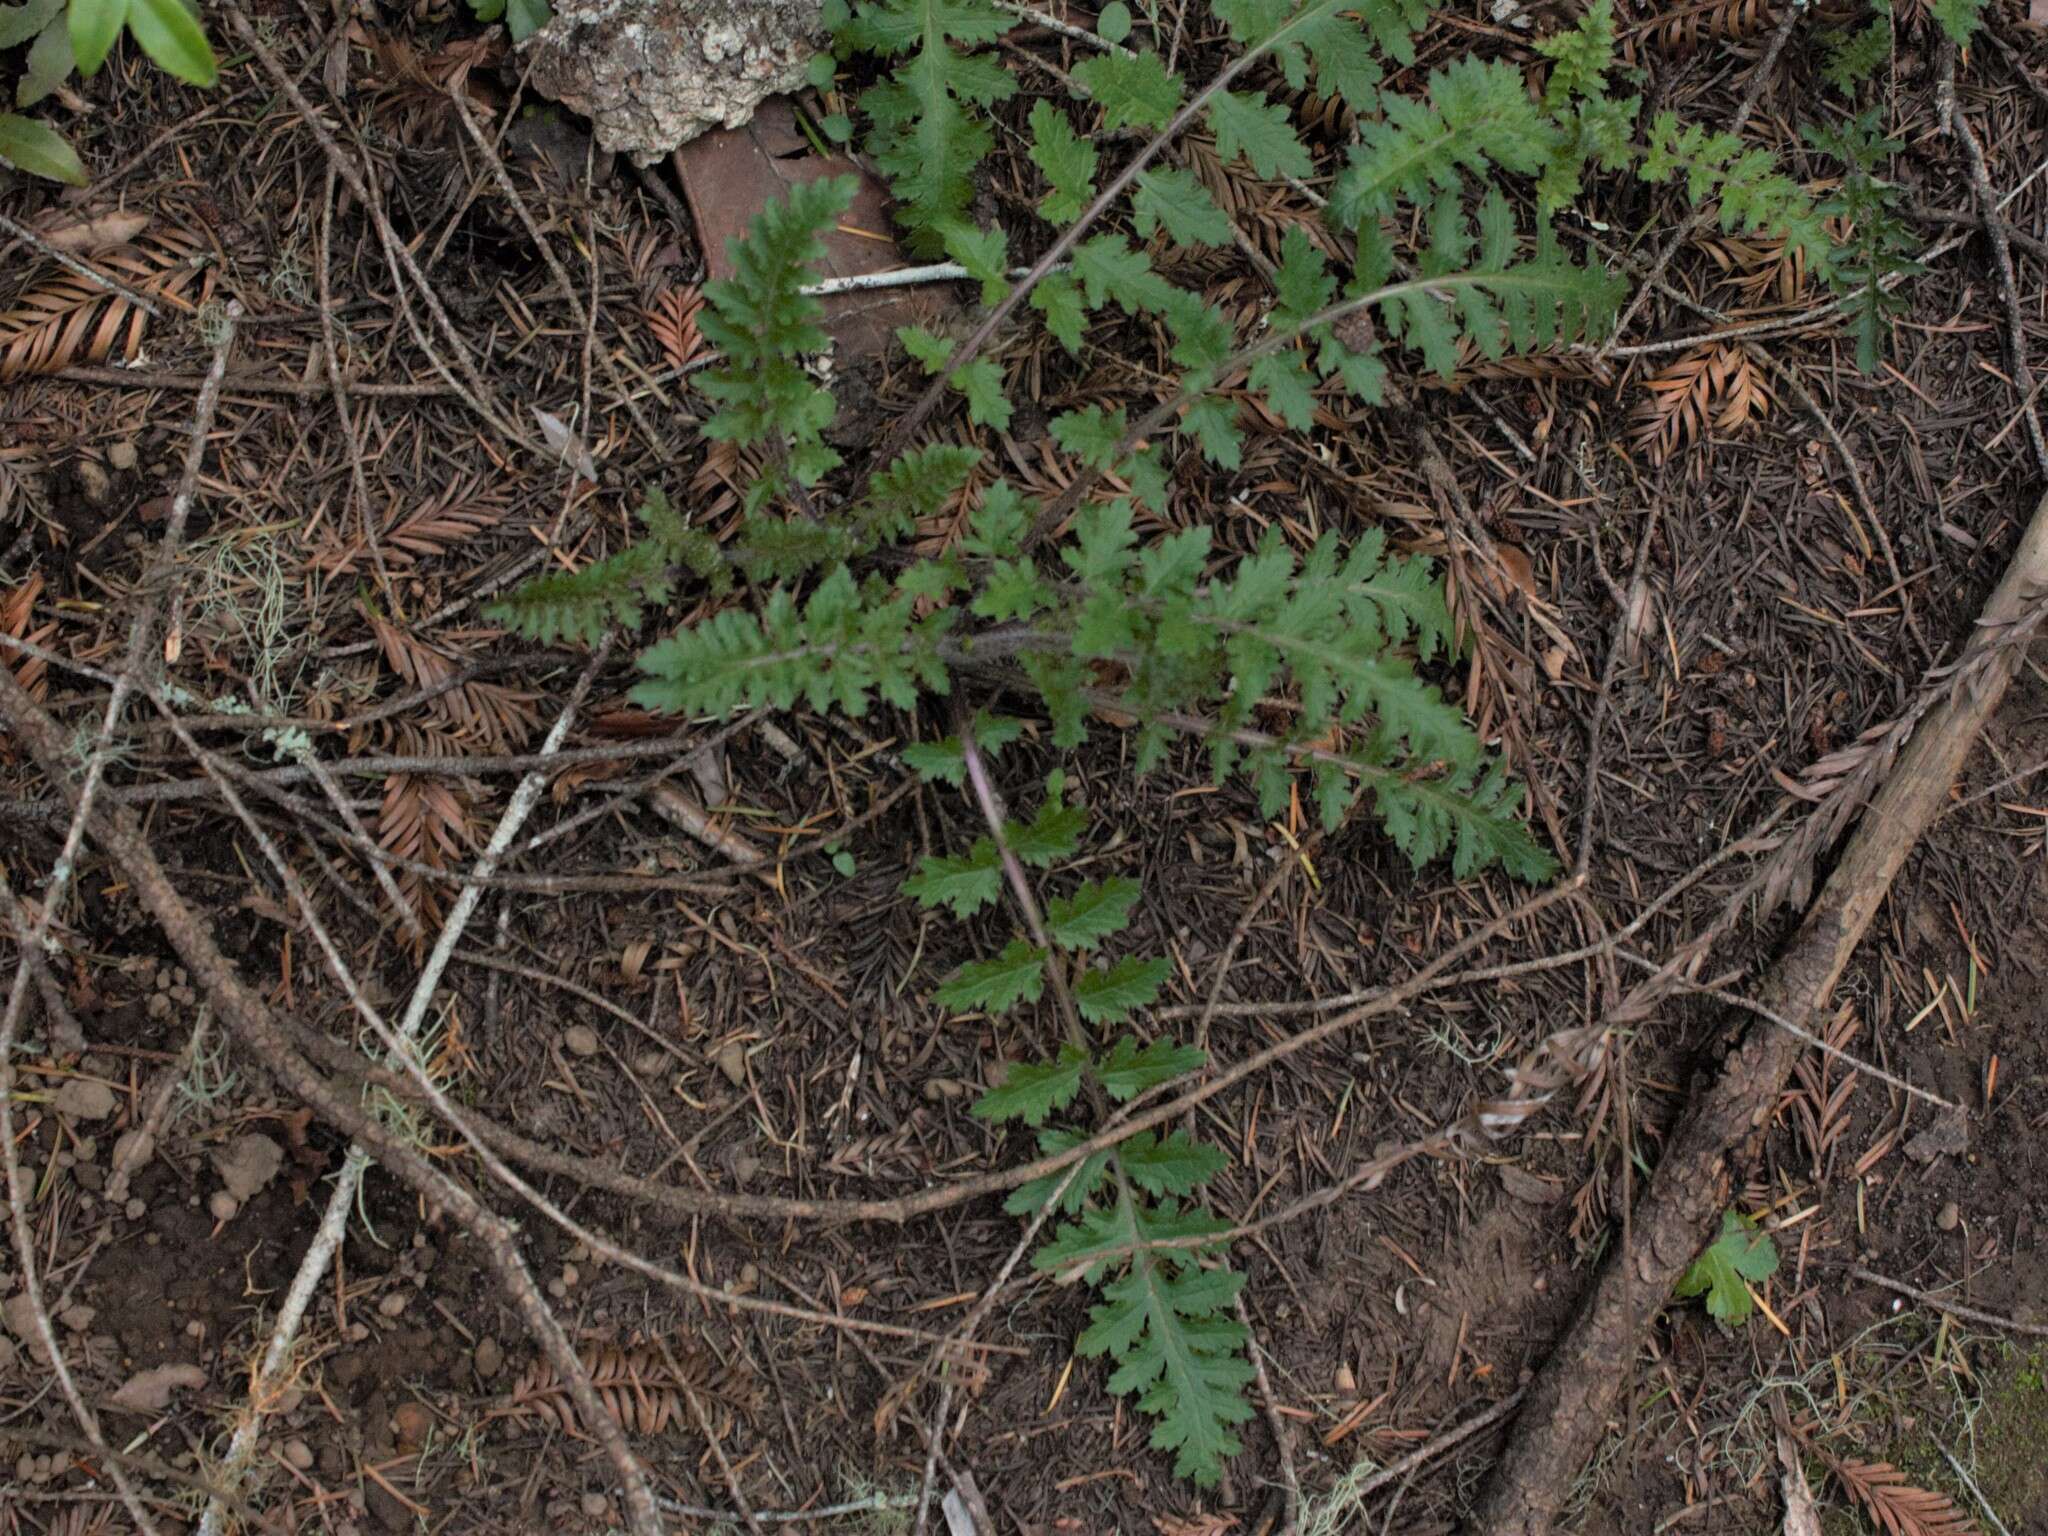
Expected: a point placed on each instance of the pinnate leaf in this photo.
(1108, 996)
(1094, 912)
(998, 985)
(1032, 1090)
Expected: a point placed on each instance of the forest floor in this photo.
(696, 965)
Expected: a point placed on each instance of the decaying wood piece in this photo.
(653, 74)
(1565, 1412)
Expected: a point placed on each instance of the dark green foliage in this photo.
(1856, 55)
(582, 605)
(1880, 242)
(1754, 194)
(1477, 116)
(1960, 19)
(1740, 1253)
(765, 326)
(1163, 1318)
(928, 136)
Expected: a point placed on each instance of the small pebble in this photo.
(135, 1210)
(732, 1061)
(490, 1359)
(122, 455)
(569, 1275)
(78, 1318)
(223, 1205)
(580, 1040)
(196, 1329)
(557, 1290)
(649, 1063)
(1949, 1217)
(594, 1505)
(299, 1454)
(357, 1332)
(393, 1304)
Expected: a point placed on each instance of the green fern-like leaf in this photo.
(1162, 1321)
(928, 133)
(1960, 19)
(1068, 161)
(1094, 912)
(1134, 90)
(582, 605)
(1754, 193)
(1015, 976)
(965, 884)
(1855, 56)
(1476, 115)
(1579, 56)
(764, 326)
(1032, 1090)
(1113, 994)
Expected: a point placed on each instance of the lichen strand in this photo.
(653, 74)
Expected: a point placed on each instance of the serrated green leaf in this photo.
(1960, 19)
(964, 883)
(1032, 1090)
(1109, 996)
(1134, 90)
(1212, 421)
(1177, 1166)
(985, 253)
(937, 762)
(1261, 131)
(1094, 912)
(1738, 1253)
(998, 985)
(1068, 161)
(1130, 1069)
(1175, 201)
(1058, 299)
(1090, 434)
(1028, 1199)
(39, 149)
(1051, 835)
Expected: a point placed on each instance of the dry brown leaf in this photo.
(421, 819)
(458, 514)
(17, 608)
(150, 1391)
(1713, 385)
(491, 715)
(672, 321)
(61, 319)
(1896, 1505)
(74, 235)
(637, 1386)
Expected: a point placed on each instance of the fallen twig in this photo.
(1952, 1308)
(1570, 1397)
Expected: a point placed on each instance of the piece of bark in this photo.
(654, 74)
(1566, 1411)
(728, 178)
